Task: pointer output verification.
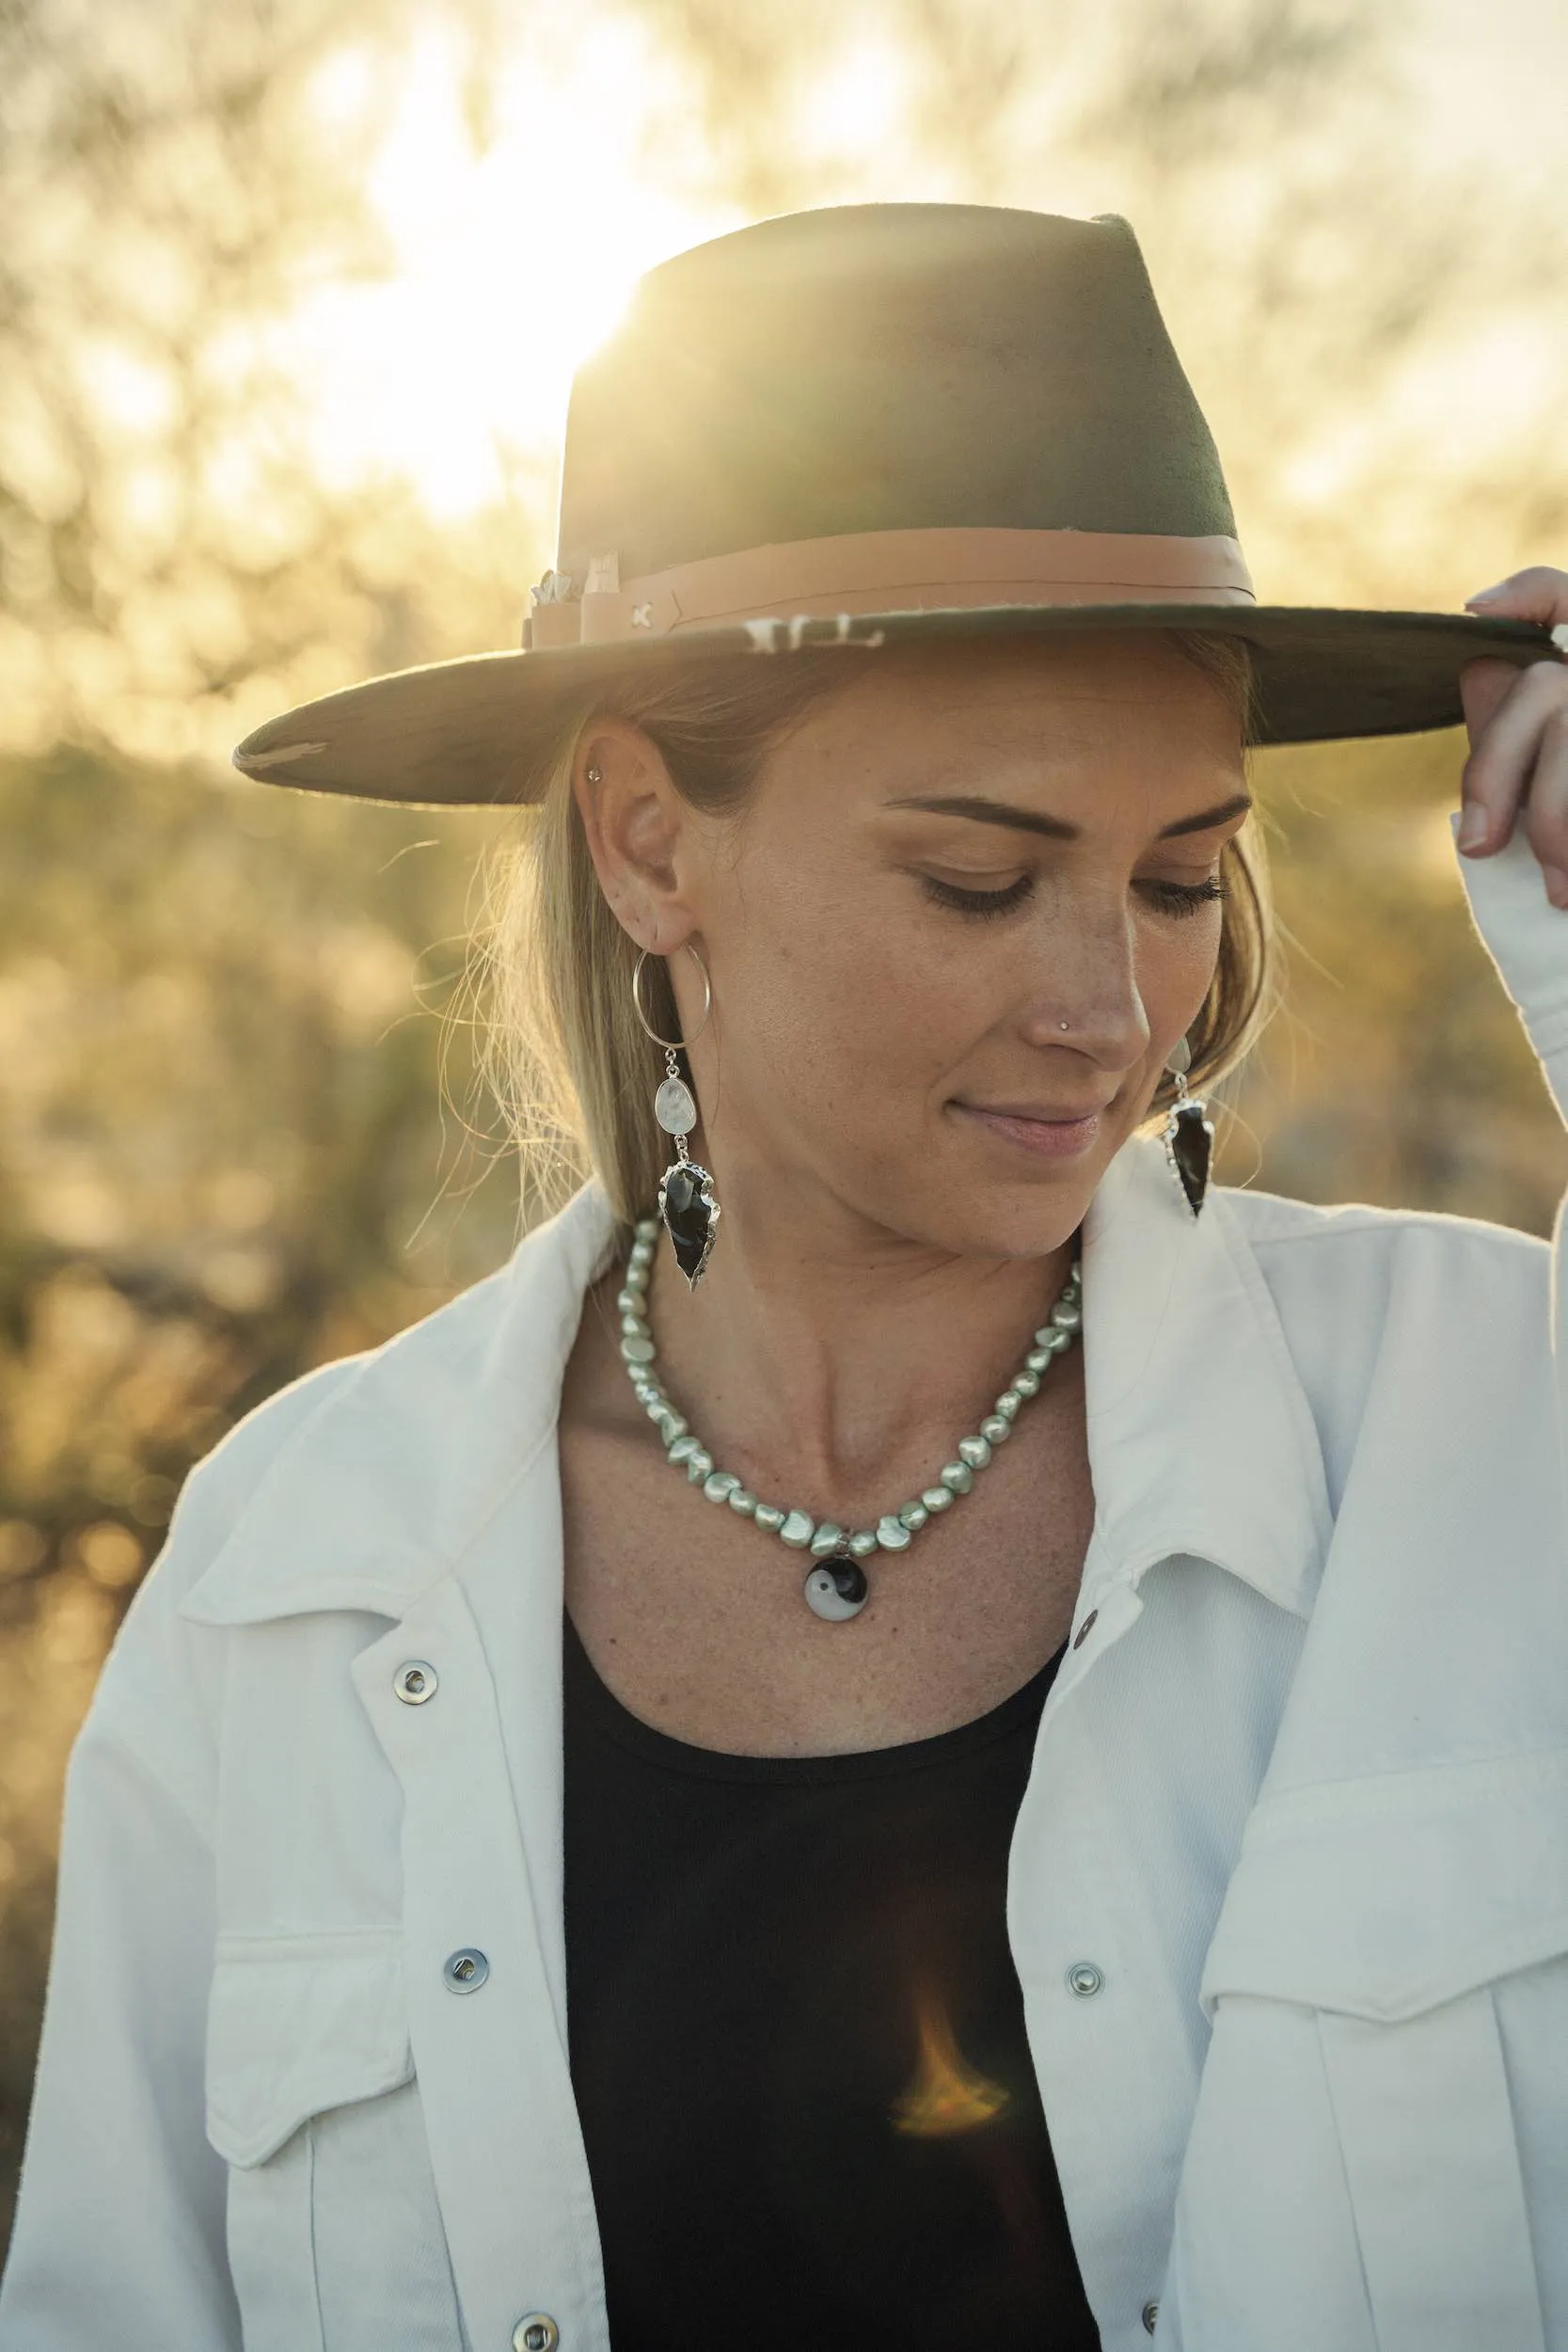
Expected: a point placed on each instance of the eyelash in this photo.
(1175, 898)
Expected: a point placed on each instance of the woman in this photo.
(973, 1752)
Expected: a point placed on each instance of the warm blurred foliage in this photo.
(289, 297)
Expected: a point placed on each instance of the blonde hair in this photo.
(562, 1049)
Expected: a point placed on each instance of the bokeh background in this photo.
(291, 292)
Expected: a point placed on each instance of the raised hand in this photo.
(1518, 728)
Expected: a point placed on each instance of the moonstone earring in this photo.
(1189, 1136)
(687, 1205)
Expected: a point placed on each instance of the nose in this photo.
(1088, 981)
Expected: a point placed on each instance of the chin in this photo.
(1007, 1222)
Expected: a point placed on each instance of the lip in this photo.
(1044, 1135)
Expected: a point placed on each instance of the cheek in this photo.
(836, 1002)
(1175, 965)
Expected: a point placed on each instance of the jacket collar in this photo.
(1200, 1437)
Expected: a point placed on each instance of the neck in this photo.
(830, 1361)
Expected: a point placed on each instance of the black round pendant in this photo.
(837, 1588)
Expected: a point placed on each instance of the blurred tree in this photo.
(222, 1155)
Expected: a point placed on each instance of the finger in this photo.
(1538, 594)
(1546, 814)
(1497, 773)
(1482, 687)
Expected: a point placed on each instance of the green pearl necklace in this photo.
(835, 1587)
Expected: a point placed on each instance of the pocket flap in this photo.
(296, 2024)
(1381, 1897)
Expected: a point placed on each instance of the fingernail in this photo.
(1484, 595)
(1556, 885)
(1472, 827)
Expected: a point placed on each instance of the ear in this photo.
(639, 830)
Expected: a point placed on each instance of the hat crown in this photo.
(886, 367)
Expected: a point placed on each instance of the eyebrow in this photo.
(984, 812)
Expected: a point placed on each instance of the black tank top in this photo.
(798, 2045)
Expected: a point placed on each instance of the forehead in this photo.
(1063, 701)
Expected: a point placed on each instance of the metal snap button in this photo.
(1085, 1979)
(1085, 1629)
(535, 2333)
(415, 1681)
(467, 1970)
(1151, 2313)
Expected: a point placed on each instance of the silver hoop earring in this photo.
(1189, 1136)
(688, 1206)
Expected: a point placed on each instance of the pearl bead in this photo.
(836, 1586)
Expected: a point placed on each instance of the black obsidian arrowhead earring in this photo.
(1189, 1136)
(687, 1205)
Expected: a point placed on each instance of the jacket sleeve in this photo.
(120, 2234)
(1526, 938)
(120, 2227)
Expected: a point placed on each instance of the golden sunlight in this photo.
(509, 256)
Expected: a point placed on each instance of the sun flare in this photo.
(507, 257)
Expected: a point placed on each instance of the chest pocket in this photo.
(335, 2236)
(1359, 1981)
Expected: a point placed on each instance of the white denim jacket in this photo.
(1288, 1889)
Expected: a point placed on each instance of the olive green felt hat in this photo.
(862, 426)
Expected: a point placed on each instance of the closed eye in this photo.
(977, 902)
(1175, 898)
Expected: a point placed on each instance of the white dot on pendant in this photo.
(675, 1108)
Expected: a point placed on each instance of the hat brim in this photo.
(476, 732)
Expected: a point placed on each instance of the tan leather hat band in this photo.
(888, 571)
